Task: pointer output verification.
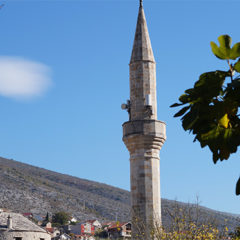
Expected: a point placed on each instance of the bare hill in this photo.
(25, 188)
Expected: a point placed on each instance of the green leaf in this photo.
(225, 45)
(236, 66)
(190, 119)
(176, 105)
(235, 51)
(182, 111)
(211, 136)
(184, 98)
(190, 91)
(234, 84)
(225, 42)
(224, 154)
(216, 51)
(238, 187)
(210, 84)
(224, 50)
(215, 157)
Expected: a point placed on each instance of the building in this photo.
(84, 237)
(73, 220)
(120, 231)
(39, 219)
(95, 223)
(82, 229)
(53, 231)
(143, 134)
(63, 236)
(106, 225)
(14, 226)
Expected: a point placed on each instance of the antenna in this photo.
(141, 3)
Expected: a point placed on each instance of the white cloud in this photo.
(22, 78)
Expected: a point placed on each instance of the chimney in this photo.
(9, 222)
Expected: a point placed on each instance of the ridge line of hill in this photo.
(27, 188)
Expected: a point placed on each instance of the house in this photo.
(106, 225)
(63, 236)
(73, 220)
(95, 223)
(15, 226)
(38, 219)
(82, 229)
(54, 232)
(48, 225)
(84, 237)
(120, 230)
(87, 228)
(104, 231)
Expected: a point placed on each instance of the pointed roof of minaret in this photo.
(142, 48)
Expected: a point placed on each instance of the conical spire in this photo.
(142, 49)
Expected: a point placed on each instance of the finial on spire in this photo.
(141, 3)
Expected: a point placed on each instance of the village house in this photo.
(53, 231)
(63, 236)
(84, 237)
(106, 225)
(95, 223)
(73, 220)
(82, 229)
(120, 231)
(38, 219)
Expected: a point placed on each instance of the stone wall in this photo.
(142, 83)
(25, 235)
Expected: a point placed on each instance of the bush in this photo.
(60, 218)
(187, 223)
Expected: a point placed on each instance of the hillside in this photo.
(25, 188)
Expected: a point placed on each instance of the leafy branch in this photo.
(210, 108)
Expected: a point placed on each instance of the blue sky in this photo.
(64, 74)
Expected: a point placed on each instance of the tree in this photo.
(210, 109)
(186, 222)
(46, 220)
(61, 218)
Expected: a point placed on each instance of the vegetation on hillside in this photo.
(46, 191)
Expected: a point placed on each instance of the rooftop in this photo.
(20, 223)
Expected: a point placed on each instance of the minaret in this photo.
(143, 135)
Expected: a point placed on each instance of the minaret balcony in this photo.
(144, 134)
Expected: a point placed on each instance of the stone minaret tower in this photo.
(143, 134)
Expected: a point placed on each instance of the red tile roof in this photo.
(116, 225)
(51, 230)
(108, 224)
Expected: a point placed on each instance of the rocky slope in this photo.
(25, 188)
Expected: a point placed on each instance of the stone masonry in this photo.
(15, 226)
(144, 135)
